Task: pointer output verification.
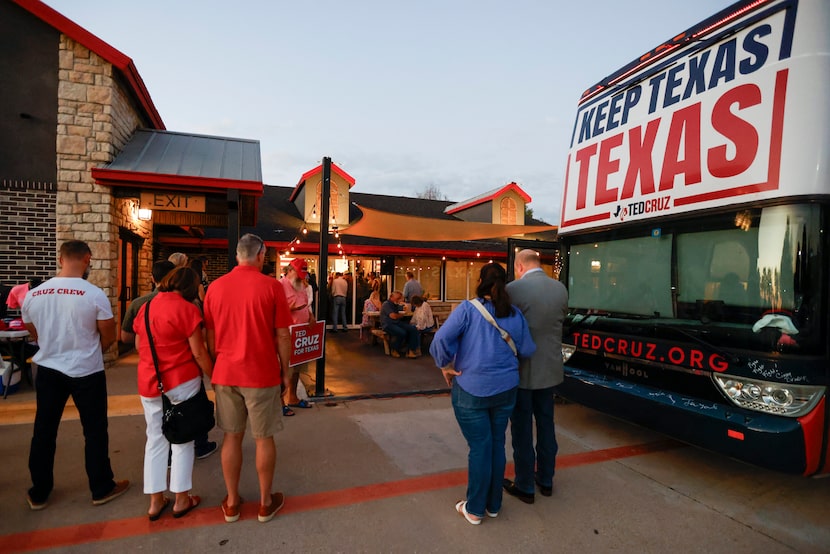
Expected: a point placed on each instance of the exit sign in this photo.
(172, 201)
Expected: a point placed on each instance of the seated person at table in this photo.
(422, 318)
(372, 304)
(403, 337)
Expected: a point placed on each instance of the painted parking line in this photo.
(211, 515)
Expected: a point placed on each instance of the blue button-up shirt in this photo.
(486, 363)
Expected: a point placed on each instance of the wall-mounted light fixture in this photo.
(145, 214)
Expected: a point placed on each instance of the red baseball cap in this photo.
(300, 266)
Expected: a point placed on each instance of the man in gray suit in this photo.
(544, 303)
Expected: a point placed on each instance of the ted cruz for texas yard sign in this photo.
(307, 342)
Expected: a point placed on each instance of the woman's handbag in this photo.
(185, 421)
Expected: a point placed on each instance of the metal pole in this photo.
(233, 226)
(322, 269)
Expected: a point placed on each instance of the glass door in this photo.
(129, 245)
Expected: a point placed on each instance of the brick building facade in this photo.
(71, 104)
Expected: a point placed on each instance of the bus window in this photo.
(630, 276)
(764, 267)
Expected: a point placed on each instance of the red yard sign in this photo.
(307, 342)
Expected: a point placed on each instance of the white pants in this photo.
(156, 449)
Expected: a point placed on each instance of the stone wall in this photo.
(96, 117)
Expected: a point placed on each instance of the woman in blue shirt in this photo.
(483, 372)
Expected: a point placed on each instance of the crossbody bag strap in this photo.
(504, 334)
(152, 346)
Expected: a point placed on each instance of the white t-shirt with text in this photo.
(65, 312)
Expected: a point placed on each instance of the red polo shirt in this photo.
(244, 308)
(172, 320)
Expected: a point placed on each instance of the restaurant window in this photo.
(429, 275)
(427, 272)
(457, 273)
(462, 279)
(508, 211)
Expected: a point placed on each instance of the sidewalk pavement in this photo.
(383, 475)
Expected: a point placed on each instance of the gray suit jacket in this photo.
(544, 303)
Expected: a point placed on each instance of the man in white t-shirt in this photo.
(72, 321)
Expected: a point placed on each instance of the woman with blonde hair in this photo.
(176, 331)
(372, 304)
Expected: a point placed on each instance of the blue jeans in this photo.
(403, 337)
(483, 423)
(339, 311)
(538, 465)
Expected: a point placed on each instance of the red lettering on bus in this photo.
(742, 133)
(717, 363)
(684, 133)
(583, 158)
(606, 167)
(650, 352)
(639, 163)
(674, 351)
(696, 359)
(622, 347)
(637, 349)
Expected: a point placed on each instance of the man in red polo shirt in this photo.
(247, 320)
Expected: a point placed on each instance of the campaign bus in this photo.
(694, 231)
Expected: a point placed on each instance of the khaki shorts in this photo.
(236, 405)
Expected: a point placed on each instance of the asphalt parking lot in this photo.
(382, 474)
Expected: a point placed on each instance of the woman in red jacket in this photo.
(176, 327)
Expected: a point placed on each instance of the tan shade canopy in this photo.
(385, 225)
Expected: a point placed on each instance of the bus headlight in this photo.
(764, 396)
(567, 351)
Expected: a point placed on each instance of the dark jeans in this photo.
(403, 335)
(339, 311)
(483, 423)
(89, 393)
(538, 465)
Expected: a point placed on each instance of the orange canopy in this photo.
(385, 225)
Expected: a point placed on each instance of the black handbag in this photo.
(185, 421)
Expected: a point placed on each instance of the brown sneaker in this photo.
(231, 513)
(267, 513)
(119, 489)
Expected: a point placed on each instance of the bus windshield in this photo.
(755, 271)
